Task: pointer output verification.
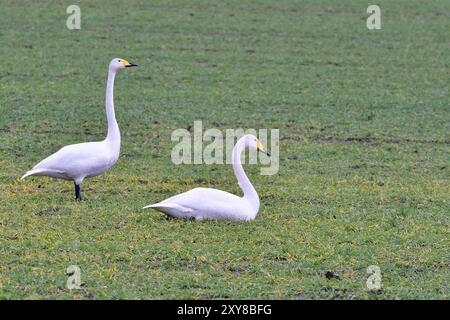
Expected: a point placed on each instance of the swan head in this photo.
(253, 143)
(119, 63)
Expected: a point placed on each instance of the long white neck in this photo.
(249, 191)
(113, 136)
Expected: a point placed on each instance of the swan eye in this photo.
(118, 60)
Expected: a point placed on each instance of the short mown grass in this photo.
(364, 148)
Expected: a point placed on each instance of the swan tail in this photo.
(169, 207)
(39, 172)
(158, 205)
(31, 173)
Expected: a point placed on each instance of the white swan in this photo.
(79, 161)
(207, 203)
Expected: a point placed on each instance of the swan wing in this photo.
(74, 161)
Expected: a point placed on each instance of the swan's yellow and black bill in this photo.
(260, 148)
(128, 64)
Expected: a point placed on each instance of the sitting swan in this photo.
(207, 203)
(79, 161)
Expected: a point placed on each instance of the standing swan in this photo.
(207, 203)
(84, 160)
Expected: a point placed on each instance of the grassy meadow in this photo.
(364, 120)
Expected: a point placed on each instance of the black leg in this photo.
(77, 192)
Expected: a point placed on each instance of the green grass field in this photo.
(364, 122)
